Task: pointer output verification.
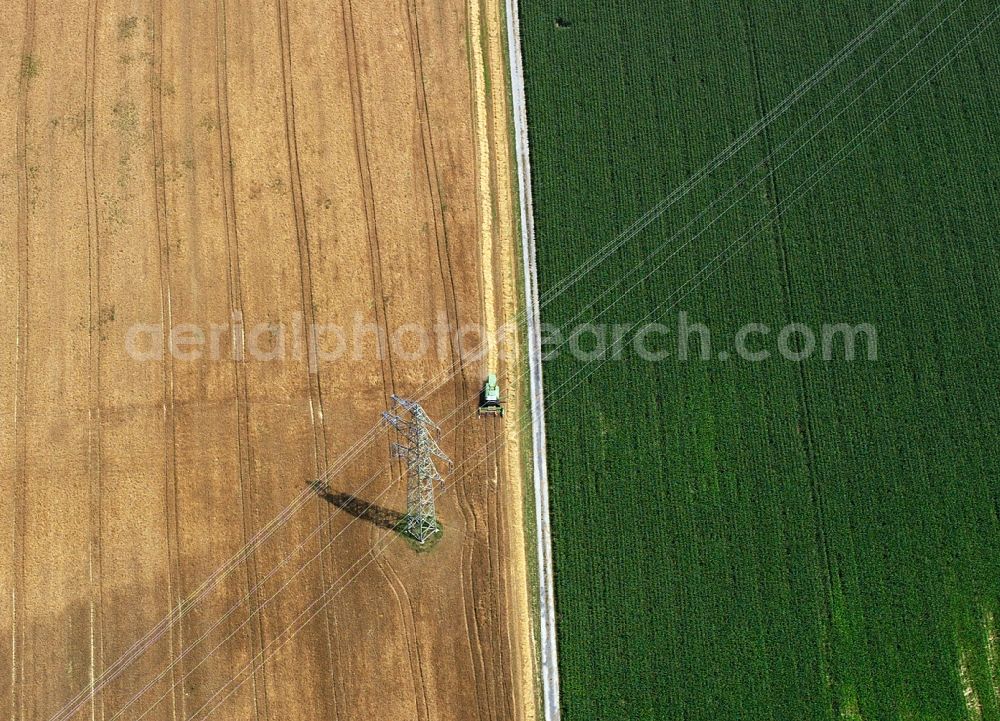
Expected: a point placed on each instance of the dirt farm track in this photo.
(214, 168)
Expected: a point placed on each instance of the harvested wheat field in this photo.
(216, 220)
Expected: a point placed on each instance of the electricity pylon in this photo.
(419, 449)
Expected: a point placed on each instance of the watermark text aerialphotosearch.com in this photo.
(680, 339)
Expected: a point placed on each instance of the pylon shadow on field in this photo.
(384, 518)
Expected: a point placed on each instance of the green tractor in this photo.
(489, 399)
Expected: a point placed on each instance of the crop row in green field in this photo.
(777, 540)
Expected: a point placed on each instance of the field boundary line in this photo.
(539, 462)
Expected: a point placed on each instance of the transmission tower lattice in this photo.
(419, 449)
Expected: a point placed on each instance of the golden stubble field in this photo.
(223, 165)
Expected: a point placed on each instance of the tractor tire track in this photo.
(494, 621)
(470, 549)
(501, 636)
(400, 596)
(433, 181)
(466, 501)
(805, 434)
(317, 418)
(484, 601)
(21, 393)
(240, 391)
(484, 596)
(506, 649)
(476, 653)
(405, 604)
(94, 441)
(169, 416)
(495, 541)
(480, 597)
(301, 230)
(361, 146)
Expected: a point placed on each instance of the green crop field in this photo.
(781, 540)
